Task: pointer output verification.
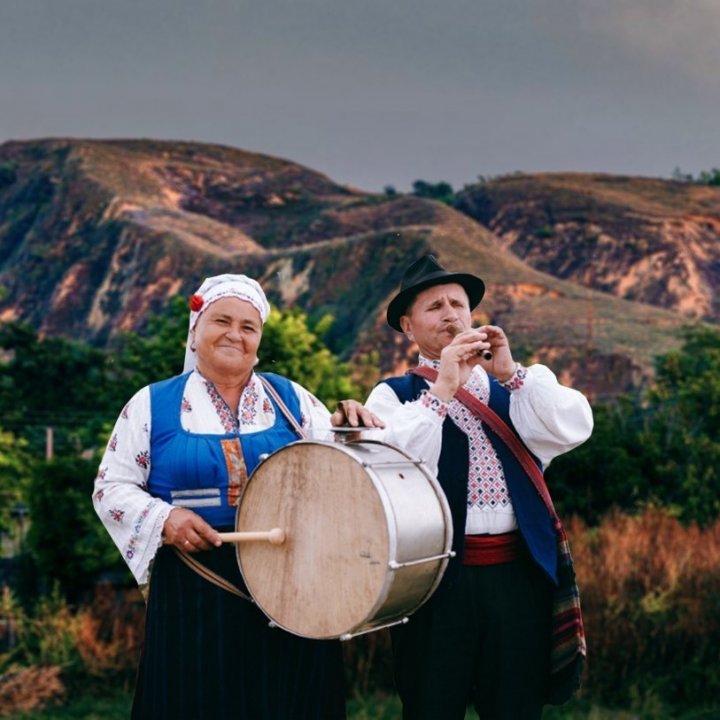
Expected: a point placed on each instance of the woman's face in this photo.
(227, 336)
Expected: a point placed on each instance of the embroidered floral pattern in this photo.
(125, 414)
(236, 468)
(229, 422)
(134, 541)
(143, 459)
(185, 406)
(518, 378)
(248, 404)
(486, 480)
(116, 515)
(435, 404)
(112, 445)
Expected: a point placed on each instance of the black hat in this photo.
(425, 273)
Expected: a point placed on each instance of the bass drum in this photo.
(368, 537)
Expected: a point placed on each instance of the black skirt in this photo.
(210, 655)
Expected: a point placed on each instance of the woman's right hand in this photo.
(187, 531)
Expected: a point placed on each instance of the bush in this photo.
(650, 592)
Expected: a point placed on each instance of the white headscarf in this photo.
(214, 288)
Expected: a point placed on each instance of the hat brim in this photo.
(473, 286)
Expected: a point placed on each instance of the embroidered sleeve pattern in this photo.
(517, 380)
(438, 406)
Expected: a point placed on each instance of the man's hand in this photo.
(465, 351)
(187, 531)
(502, 365)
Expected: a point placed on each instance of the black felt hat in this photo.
(425, 273)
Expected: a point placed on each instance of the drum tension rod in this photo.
(393, 565)
(350, 636)
(392, 462)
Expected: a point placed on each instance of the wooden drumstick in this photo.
(276, 536)
(455, 330)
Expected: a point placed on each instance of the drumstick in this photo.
(455, 330)
(276, 536)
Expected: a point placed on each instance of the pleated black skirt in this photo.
(210, 655)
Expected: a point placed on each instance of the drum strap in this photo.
(209, 575)
(284, 409)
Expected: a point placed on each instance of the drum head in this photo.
(326, 577)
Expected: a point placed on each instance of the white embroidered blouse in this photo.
(133, 517)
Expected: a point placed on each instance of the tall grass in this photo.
(651, 601)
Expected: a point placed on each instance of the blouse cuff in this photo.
(517, 379)
(435, 404)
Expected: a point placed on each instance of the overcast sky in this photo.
(378, 92)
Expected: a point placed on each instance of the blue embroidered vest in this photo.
(203, 472)
(532, 516)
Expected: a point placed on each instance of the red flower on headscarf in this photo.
(196, 302)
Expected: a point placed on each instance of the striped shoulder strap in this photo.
(284, 409)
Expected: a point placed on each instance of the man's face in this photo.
(431, 313)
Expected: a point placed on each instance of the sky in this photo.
(378, 93)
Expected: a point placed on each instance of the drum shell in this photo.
(361, 512)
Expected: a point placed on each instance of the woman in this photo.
(170, 480)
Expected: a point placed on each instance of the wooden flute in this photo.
(455, 330)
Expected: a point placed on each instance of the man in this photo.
(485, 635)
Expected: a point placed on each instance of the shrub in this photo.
(651, 601)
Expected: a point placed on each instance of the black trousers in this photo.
(484, 640)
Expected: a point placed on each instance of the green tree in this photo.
(659, 449)
(711, 177)
(682, 430)
(53, 382)
(14, 477)
(291, 347)
(156, 353)
(441, 191)
(66, 539)
(606, 471)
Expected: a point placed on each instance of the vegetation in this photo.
(659, 449)
(705, 177)
(441, 191)
(642, 494)
(650, 602)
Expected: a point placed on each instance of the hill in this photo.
(94, 235)
(642, 239)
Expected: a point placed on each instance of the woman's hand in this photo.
(353, 413)
(187, 531)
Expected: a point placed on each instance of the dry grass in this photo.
(110, 633)
(651, 600)
(31, 688)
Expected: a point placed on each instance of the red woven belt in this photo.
(493, 549)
